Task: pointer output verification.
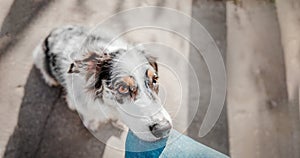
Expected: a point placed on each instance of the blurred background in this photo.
(259, 41)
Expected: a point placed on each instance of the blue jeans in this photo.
(175, 146)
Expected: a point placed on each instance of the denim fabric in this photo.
(176, 146)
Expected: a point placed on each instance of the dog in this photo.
(104, 81)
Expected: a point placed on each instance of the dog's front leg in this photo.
(118, 124)
(91, 124)
(70, 102)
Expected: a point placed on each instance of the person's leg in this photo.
(177, 145)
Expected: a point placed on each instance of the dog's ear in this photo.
(90, 64)
(151, 59)
(152, 62)
(74, 67)
(96, 66)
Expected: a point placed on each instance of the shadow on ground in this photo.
(212, 16)
(47, 128)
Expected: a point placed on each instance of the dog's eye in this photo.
(123, 89)
(133, 89)
(155, 78)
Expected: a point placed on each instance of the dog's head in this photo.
(127, 81)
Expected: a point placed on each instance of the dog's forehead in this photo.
(132, 63)
(129, 80)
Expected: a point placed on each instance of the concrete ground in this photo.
(212, 15)
(47, 128)
(35, 118)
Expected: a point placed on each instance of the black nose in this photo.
(161, 129)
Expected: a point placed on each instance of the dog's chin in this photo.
(147, 136)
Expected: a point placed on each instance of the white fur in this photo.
(39, 61)
(138, 115)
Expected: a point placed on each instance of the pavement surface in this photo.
(212, 15)
(35, 118)
(47, 128)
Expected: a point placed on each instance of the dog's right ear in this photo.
(74, 68)
(96, 66)
(90, 64)
(85, 65)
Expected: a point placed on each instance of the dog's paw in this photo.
(50, 81)
(118, 124)
(70, 104)
(92, 125)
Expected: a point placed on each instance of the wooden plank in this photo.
(257, 94)
(289, 21)
(212, 16)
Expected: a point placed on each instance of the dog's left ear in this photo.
(152, 62)
(151, 59)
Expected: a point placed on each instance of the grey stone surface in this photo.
(47, 128)
(212, 15)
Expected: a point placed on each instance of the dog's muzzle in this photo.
(161, 129)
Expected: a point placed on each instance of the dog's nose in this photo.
(161, 129)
